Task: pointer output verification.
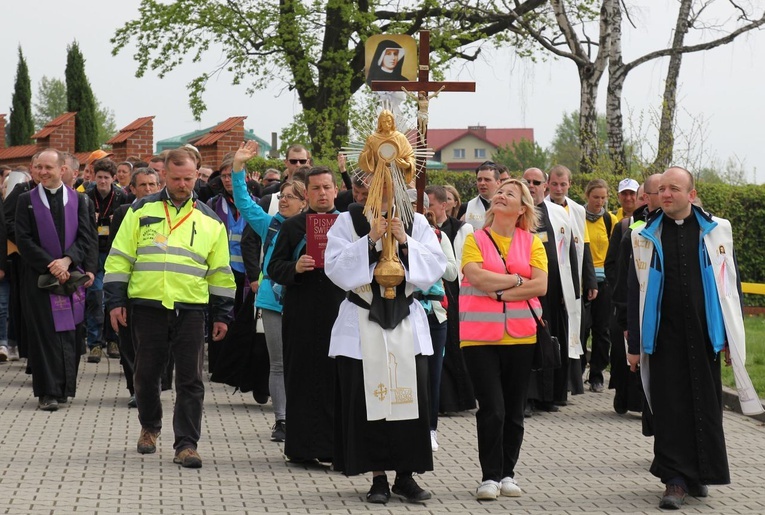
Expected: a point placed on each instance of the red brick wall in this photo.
(230, 142)
(62, 138)
(212, 155)
(140, 144)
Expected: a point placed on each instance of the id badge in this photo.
(160, 240)
(103, 230)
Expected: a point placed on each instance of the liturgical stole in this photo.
(66, 311)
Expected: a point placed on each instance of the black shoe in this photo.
(380, 491)
(406, 486)
(673, 498)
(560, 403)
(698, 490)
(528, 411)
(619, 406)
(260, 398)
(547, 406)
(132, 402)
(279, 431)
(596, 387)
(62, 400)
(48, 403)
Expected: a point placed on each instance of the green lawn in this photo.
(755, 355)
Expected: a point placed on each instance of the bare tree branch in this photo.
(696, 48)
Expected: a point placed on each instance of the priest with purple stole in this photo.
(57, 242)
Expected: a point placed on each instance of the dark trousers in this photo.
(436, 366)
(500, 376)
(127, 353)
(598, 323)
(158, 334)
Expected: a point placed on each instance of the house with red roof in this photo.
(465, 149)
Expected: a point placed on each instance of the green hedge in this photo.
(744, 206)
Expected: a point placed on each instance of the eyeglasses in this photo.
(296, 161)
(225, 176)
(280, 196)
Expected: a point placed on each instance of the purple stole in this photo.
(66, 311)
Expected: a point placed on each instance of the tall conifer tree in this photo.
(21, 125)
(79, 98)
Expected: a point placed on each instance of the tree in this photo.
(689, 16)
(21, 125)
(315, 48)
(566, 149)
(51, 101)
(79, 98)
(521, 155)
(107, 125)
(590, 55)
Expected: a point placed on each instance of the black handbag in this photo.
(547, 349)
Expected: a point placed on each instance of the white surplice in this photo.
(387, 354)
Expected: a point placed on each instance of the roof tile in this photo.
(53, 125)
(127, 131)
(218, 131)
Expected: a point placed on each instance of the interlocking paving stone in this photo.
(82, 459)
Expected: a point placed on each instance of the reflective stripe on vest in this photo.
(482, 317)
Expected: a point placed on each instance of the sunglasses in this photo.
(536, 183)
(296, 161)
(269, 181)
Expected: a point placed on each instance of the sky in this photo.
(721, 104)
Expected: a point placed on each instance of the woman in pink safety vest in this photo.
(504, 266)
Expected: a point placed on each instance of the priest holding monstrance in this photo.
(380, 254)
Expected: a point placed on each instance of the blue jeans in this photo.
(436, 366)
(94, 306)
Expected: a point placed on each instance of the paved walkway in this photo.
(82, 459)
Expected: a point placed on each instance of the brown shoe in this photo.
(147, 442)
(673, 497)
(188, 458)
(113, 350)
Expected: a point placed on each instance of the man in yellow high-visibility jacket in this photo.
(168, 262)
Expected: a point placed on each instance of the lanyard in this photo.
(169, 223)
(98, 206)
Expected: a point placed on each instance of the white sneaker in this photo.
(509, 488)
(13, 353)
(4, 357)
(487, 491)
(434, 441)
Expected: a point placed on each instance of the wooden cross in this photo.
(425, 91)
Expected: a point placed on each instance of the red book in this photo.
(316, 228)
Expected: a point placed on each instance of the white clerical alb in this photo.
(387, 354)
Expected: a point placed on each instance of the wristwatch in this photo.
(499, 293)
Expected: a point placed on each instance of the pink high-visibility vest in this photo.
(482, 317)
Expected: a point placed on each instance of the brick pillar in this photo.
(63, 137)
(141, 143)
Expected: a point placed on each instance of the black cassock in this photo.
(685, 384)
(311, 303)
(456, 388)
(53, 355)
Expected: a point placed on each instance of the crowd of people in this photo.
(166, 263)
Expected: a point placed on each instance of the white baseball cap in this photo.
(628, 185)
